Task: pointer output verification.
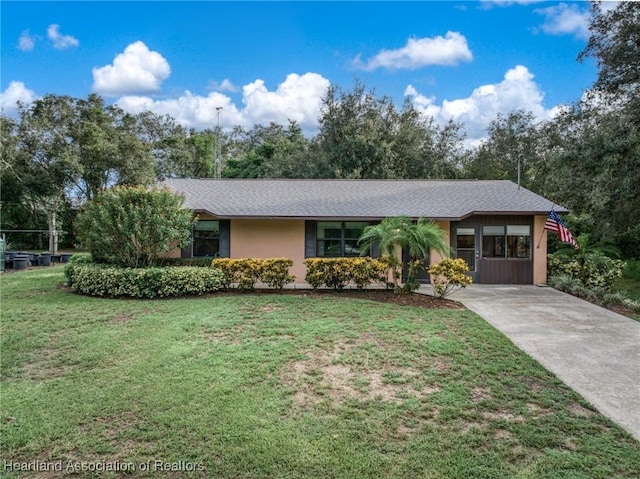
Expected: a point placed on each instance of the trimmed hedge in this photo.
(246, 272)
(112, 281)
(336, 273)
(76, 260)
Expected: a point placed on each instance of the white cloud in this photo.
(189, 110)
(516, 91)
(563, 19)
(15, 92)
(135, 71)
(420, 52)
(507, 3)
(298, 98)
(60, 41)
(224, 85)
(26, 41)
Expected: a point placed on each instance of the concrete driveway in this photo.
(594, 351)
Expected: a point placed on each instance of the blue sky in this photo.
(270, 61)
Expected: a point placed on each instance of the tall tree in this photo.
(596, 172)
(513, 142)
(269, 151)
(47, 160)
(109, 147)
(356, 133)
(62, 148)
(365, 136)
(596, 155)
(615, 44)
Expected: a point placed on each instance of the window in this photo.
(206, 239)
(518, 241)
(466, 246)
(511, 241)
(339, 238)
(493, 241)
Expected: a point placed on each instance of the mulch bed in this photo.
(380, 295)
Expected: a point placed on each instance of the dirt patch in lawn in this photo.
(48, 362)
(322, 376)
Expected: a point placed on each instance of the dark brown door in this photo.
(466, 246)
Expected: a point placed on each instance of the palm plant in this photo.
(399, 232)
(422, 237)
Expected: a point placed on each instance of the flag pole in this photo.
(544, 230)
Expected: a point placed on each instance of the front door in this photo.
(466, 246)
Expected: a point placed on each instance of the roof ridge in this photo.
(344, 180)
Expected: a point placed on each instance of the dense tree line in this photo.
(61, 151)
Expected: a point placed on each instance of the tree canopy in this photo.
(63, 151)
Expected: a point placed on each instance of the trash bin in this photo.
(8, 259)
(20, 261)
(44, 259)
(64, 257)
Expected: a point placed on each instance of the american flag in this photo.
(554, 223)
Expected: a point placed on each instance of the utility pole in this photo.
(218, 169)
(519, 166)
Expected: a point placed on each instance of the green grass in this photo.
(284, 386)
(630, 286)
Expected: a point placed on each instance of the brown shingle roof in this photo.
(365, 199)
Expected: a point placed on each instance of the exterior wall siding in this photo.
(436, 257)
(269, 239)
(539, 249)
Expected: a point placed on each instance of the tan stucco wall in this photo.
(436, 257)
(270, 239)
(539, 248)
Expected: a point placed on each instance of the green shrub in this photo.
(80, 258)
(246, 272)
(448, 275)
(564, 282)
(594, 270)
(133, 226)
(75, 260)
(631, 304)
(615, 298)
(275, 272)
(336, 273)
(113, 281)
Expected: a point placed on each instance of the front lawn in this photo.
(282, 386)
